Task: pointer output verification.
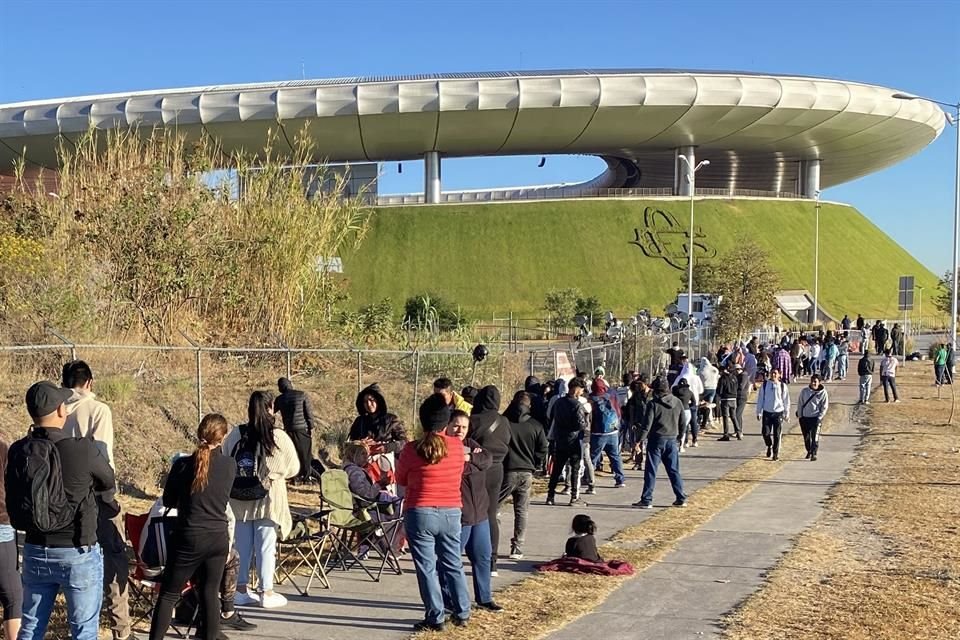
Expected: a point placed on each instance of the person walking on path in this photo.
(865, 370)
(811, 409)
(710, 378)
(728, 388)
(491, 431)
(265, 459)
(888, 375)
(605, 421)
(198, 487)
(11, 591)
(743, 394)
(474, 523)
(51, 480)
(88, 417)
(773, 409)
(431, 470)
(689, 430)
(660, 428)
(294, 409)
(570, 425)
(527, 453)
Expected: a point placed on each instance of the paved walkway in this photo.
(387, 610)
(709, 573)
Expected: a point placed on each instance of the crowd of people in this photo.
(230, 493)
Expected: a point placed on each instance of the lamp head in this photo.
(904, 96)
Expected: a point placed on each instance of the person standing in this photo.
(709, 378)
(294, 409)
(605, 418)
(940, 364)
(60, 551)
(865, 370)
(688, 427)
(474, 521)
(444, 386)
(430, 470)
(896, 339)
(570, 424)
(745, 383)
(492, 432)
(811, 409)
(728, 388)
(265, 458)
(661, 428)
(888, 375)
(783, 363)
(11, 591)
(773, 409)
(90, 418)
(527, 453)
(198, 487)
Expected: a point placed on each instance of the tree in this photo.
(561, 305)
(589, 308)
(744, 286)
(944, 291)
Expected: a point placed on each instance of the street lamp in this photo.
(691, 171)
(920, 311)
(816, 260)
(955, 121)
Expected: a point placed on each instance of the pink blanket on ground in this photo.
(579, 565)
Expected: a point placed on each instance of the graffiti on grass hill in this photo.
(663, 237)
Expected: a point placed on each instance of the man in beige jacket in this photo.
(87, 417)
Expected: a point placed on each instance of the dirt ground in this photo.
(883, 560)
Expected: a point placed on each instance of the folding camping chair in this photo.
(144, 582)
(356, 527)
(304, 547)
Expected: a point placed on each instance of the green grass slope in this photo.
(504, 257)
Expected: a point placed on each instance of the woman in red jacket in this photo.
(430, 469)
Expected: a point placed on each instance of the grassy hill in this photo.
(504, 257)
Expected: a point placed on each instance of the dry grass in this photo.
(883, 560)
(553, 600)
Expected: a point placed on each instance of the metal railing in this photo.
(559, 193)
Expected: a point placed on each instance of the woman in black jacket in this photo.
(492, 432)
(379, 430)
(474, 522)
(198, 487)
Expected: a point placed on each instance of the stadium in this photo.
(773, 143)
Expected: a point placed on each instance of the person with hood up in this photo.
(90, 418)
(527, 454)
(538, 407)
(380, 430)
(492, 432)
(294, 409)
(689, 426)
(605, 419)
(660, 428)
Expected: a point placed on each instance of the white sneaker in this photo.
(246, 599)
(494, 574)
(273, 601)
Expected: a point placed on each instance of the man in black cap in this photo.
(661, 425)
(294, 408)
(59, 518)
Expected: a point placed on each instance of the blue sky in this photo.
(53, 49)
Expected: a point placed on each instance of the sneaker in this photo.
(590, 491)
(272, 601)
(683, 448)
(576, 502)
(695, 444)
(724, 439)
(423, 625)
(564, 490)
(776, 457)
(516, 553)
(460, 622)
(896, 402)
(643, 505)
(680, 503)
(490, 606)
(813, 458)
(237, 623)
(494, 574)
(550, 501)
(769, 452)
(246, 599)
(620, 485)
(739, 436)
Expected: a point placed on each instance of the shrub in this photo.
(561, 305)
(432, 313)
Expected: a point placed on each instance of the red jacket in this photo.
(431, 485)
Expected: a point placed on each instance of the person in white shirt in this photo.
(888, 375)
(773, 409)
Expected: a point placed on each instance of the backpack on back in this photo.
(35, 474)
(605, 419)
(247, 485)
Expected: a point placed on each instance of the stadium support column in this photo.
(682, 186)
(431, 177)
(810, 177)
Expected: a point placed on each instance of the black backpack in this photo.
(247, 484)
(35, 476)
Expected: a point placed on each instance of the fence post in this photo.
(199, 375)
(531, 364)
(636, 347)
(620, 349)
(359, 370)
(289, 360)
(416, 383)
(593, 366)
(73, 347)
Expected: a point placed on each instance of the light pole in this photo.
(816, 261)
(920, 310)
(955, 121)
(691, 172)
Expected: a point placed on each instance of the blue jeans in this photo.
(665, 449)
(475, 540)
(78, 572)
(434, 537)
(608, 443)
(257, 539)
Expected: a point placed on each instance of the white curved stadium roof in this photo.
(754, 128)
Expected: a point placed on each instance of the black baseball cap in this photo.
(44, 397)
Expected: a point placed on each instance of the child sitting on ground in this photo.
(582, 544)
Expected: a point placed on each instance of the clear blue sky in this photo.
(54, 49)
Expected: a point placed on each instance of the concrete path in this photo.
(356, 606)
(712, 571)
